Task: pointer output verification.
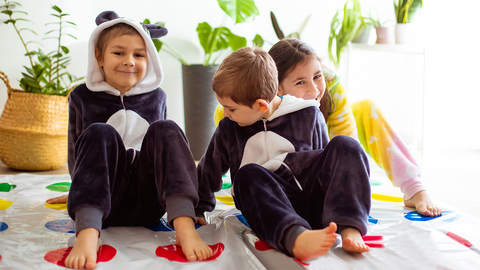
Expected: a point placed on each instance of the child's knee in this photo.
(164, 127)
(98, 131)
(346, 146)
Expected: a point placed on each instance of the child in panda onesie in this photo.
(127, 163)
(295, 188)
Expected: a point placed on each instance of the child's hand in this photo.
(201, 221)
(59, 199)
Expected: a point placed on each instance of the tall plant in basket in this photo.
(34, 122)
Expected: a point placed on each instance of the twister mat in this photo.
(36, 235)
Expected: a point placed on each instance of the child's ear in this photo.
(280, 91)
(263, 105)
(97, 56)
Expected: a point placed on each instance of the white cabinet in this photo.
(393, 76)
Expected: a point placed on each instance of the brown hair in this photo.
(287, 54)
(112, 32)
(246, 75)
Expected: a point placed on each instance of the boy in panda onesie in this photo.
(294, 187)
(127, 163)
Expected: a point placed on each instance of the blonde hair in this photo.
(112, 32)
(246, 75)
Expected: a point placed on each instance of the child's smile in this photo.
(124, 62)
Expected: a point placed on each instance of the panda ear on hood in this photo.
(106, 16)
(155, 31)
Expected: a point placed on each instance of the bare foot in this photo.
(423, 204)
(188, 238)
(59, 199)
(314, 243)
(352, 241)
(84, 252)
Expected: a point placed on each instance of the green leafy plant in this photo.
(405, 10)
(47, 73)
(279, 32)
(220, 39)
(343, 29)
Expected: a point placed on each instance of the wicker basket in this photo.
(33, 130)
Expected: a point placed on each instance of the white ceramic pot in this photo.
(404, 33)
(385, 35)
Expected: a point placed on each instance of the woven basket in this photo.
(33, 130)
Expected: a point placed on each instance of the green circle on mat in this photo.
(375, 182)
(6, 187)
(226, 185)
(59, 187)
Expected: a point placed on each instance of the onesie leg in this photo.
(100, 160)
(336, 182)
(166, 171)
(386, 147)
(265, 200)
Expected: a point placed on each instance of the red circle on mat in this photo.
(174, 253)
(104, 254)
(262, 245)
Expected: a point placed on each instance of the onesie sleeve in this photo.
(320, 132)
(212, 166)
(341, 121)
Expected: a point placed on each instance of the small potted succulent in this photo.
(33, 125)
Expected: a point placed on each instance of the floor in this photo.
(451, 177)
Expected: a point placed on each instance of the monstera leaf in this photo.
(239, 10)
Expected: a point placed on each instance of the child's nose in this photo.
(129, 61)
(312, 91)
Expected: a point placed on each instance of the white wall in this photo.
(446, 32)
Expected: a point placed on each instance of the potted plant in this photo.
(343, 29)
(198, 96)
(33, 125)
(385, 34)
(279, 32)
(405, 11)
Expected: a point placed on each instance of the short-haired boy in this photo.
(294, 187)
(127, 163)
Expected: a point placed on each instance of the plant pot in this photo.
(33, 130)
(385, 35)
(363, 35)
(199, 103)
(404, 33)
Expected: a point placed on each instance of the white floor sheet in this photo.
(35, 236)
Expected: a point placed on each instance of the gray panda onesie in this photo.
(127, 163)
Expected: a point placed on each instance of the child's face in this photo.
(304, 81)
(124, 62)
(243, 115)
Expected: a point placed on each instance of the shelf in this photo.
(393, 48)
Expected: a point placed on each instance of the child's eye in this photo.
(139, 55)
(317, 77)
(299, 83)
(117, 53)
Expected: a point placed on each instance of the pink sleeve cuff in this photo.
(411, 187)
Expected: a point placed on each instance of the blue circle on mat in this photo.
(242, 219)
(3, 226)
(162, 226)
(372, 220)
(63, 226)
(415, 216)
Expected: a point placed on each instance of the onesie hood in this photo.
(95, 79)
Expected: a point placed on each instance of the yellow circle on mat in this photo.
(56, 205)
(228, 200)
(4, 205)
(387, 197)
